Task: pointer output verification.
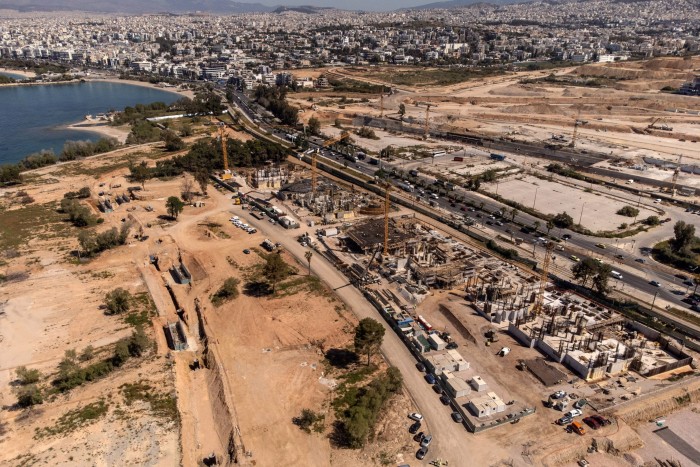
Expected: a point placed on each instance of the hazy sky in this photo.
(382, 5)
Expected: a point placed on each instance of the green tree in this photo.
(314, 126)
(584, 270)
(513, 212)
(652, 221)
(628, 211)
(369, 335)
(172, 141)
(563, 220)
(140, 173)
(118, 301)
(26, 376)
(275, 270)
(201, 176)
(549, 225)
(536, 225)
(138, 342)
(228, 291)
(600, 280)
(684, 234)
(174, 206)
(308, 256)
(28, 396)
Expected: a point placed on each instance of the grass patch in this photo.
(18, 226)
(74, 419)
(434, 77)
(310, 284)
(162, 405)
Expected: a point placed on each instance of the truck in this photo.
(406, 187)
(498, 157)
(350, 157)
(373, 161)
(458, 159)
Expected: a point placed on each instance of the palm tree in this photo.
(513, 213)
(308, 256)
(481, 206)
(536, 224)
(550, 226)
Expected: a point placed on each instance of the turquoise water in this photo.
(31, 117)
(12, 75)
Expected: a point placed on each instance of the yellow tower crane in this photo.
(426, 125)
(544, 278)
(226, 175)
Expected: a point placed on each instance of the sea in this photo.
(33, 118)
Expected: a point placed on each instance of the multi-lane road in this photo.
(638, 272)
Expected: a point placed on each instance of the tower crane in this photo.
(226, 175)
(676, 172)
(544, 278)
(577, 123)
(381, 103)
(427, 105)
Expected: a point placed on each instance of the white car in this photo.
(574, 413)
(415, 416)
(504, 351)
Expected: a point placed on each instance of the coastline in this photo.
(173, 90)
(100, 127)
(26, 74)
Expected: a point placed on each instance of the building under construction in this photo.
(329, 201)
(593, 341)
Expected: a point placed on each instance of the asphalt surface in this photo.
(640, 277)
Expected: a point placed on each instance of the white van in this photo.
(616, 275)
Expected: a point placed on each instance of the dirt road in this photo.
(451, 441)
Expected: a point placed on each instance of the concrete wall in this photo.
(545, 348)
(520, 336)
(577, 367)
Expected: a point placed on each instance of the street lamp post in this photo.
(580, 218)
(535, 200)
(653, 301)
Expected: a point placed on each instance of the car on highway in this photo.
(566, 237)
(430, 378)
(689, 283)
(415, 416)
(414, 428)
(420, 455)
(640, 260)
(457, 417)
(620, 257)
(601, 245)
(682, 277)
(655, 283)
(575, 258)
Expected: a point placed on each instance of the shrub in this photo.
(228, 291)
(628, 211)
(118, 301)
(29, 396)
(26, 376)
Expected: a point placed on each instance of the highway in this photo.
(636, 275)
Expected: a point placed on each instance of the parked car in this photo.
(457, 417)
(419, 437)
(641, 260)
(601, 245)
(602, 420)
(564, 420)
(573, 413)
(425, 442)
(575, 258)
(451, 345)
(414, 428)
(415, 416)
(558, 395)
(246, 251)
(578, 428)
(420, 367)
(437, 388)
(430, 378)
(421, 453)
(590, 421)
(445, 399)
(580, 403)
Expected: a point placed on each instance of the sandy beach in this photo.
(102, 127)
(26, 74)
